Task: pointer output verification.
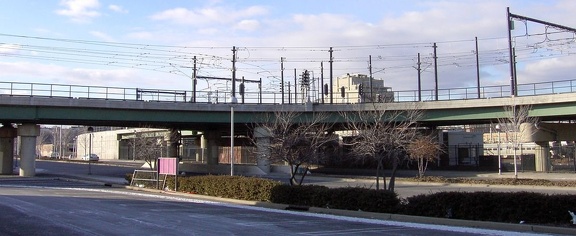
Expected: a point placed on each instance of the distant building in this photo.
(463, 148)
(358, 88)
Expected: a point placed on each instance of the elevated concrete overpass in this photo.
(214, 118)
(101, 112)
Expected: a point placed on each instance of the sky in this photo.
(151, 44)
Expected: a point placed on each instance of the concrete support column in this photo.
(28, 134)
(211, 148)
(542, 156)
(263, 152)
(173, 143)
(201, 155)
(7, 135)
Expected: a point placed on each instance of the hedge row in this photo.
(510, 207)
(236, 187)
(349, 198)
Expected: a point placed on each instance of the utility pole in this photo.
(322, 80)
(509, 17)
(370, 69)
(233, 93)
(194, 81)
(435, 72)
(295, 87)
(511, 54)
(289, 94)
(419, 80)
(477, 67)
(282, 78)
(514, 69)
(331, 75)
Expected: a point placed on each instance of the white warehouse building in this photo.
(355, 88)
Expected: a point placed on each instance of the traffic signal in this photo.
(343, 92)
(305, 78)
(325, 89)
(361, 89)
(242, 89)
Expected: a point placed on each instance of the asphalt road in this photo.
(47, 206)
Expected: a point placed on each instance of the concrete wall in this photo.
(104, 144)
(471, 141)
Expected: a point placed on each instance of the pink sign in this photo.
(168, 165)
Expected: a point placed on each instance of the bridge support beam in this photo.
(542, 156)
(262, 143)
(211, 148)
(173, 143)
(543, 133)
(28, 134)
(7, 135)
(201, 156)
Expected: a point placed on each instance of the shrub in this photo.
(509, 207)
(350, 198)
(302, 195)
(363, 199)
(237, 187)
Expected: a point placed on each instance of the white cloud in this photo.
(102, 36)
(559, 68)
(209, 15)
(99, 76)
(23, 69)
(248, 25)
(9, 48)
(117, 8)
(141, 35)
(79, 10)
(51, 73)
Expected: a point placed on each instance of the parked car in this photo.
(91, 157)
(55, 155)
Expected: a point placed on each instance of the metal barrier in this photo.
(270, 97)
(146, 176)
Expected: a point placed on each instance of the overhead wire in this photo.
(213, 60)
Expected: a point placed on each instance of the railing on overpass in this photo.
(270, 97)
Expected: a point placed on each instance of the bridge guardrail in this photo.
(272, 97)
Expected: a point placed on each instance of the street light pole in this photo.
(232, 137)
(90, 130)
(499, 158)
(233, 101)
(134, 147)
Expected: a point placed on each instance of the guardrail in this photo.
(272, 97)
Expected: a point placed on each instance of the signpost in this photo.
(169, 166)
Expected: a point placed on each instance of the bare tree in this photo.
(68, 136)
(43, 138)
(511, 125)
(148, 145)
(424, 149)
(296, 138)
(384, 136)
(82, 142)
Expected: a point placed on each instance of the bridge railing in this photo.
(70, 91)
(272, 97)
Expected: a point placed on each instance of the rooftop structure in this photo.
(359, 88)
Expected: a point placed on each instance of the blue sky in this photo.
(35, 34)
